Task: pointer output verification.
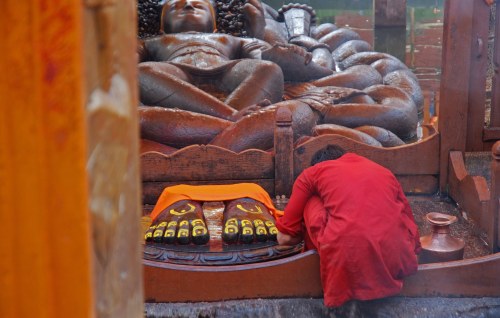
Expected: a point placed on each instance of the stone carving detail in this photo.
(230, 255)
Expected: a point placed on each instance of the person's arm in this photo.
(409, 220)
(290, 225)
(285, 239)
(253, 48)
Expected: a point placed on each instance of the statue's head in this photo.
(188, 15)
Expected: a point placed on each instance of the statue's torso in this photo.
(202, 50)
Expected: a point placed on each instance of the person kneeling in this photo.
(358, 219)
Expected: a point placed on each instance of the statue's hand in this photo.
(284, 50)
(254, 18)
(296, 63)
(247, 220)
(250, 109)
(308, 43)
(182, 223)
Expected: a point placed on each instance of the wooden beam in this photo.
(495, 92)
(283, 149)
(45, 248)
(454, 91)
(113, 156)
(491, 133)
(57, 259)
(495, 195)
(477, 81)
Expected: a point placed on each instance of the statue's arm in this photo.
(274, 30)
(262, 22)
(254, 18)
(253, 48)
(307, 42)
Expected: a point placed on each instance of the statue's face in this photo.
(188, 15)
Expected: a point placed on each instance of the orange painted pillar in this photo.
(45, 249)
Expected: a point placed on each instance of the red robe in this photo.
(357, 217)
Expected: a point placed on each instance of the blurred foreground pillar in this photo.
(69, 197)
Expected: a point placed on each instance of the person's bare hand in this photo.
(489, 2)
(285, 239)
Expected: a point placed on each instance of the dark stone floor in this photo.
(464, 228)
(397, 307)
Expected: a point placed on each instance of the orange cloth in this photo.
(224, 192)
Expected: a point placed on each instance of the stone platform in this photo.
(400, 307)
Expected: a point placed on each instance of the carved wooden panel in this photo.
(419, 158)
(200, 162)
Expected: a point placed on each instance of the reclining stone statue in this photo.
(214, 88)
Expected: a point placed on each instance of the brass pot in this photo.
(440, 246)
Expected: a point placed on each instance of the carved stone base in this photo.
(227, 255)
